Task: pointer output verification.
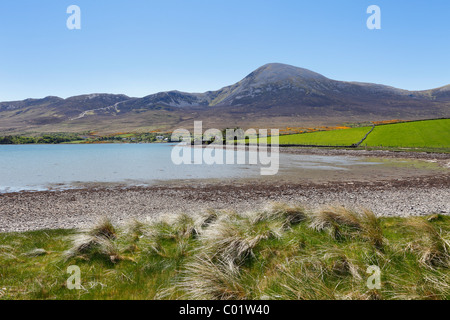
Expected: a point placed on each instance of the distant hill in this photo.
(274, 95)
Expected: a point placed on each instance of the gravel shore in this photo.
(421, 195)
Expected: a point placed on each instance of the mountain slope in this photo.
(273, 95)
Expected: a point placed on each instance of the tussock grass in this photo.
(280, 252)
(432, 246)
(208, 279)
(99, 242)
(287, 214)
(232, 237)
(335, 217)
(104, 229)
(342, 223)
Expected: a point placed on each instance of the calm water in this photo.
(40, 167)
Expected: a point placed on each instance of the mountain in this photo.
(274, 95)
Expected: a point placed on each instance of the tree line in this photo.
(44, 139)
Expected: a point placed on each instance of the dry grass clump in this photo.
(431, 246)
(372, 230)
(232, 237)
(135, 230)
(186, 226)
(176, 226)
(132, 234)
(96, 242)
(287, 214)
(205, 279)
(343, 223)
(335, 217)
(179, 229)
(104, 229)
(208, 217)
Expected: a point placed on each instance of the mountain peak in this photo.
(274, 72)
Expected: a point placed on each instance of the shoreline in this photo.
(368, 153)
(407, 184)
(80, 208)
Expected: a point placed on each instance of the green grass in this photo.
(342, 137)
(345, 137)
(430, 134)
(283, 252)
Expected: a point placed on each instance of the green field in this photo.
(345, 137)
(284, 252)
(432, 133)
(417, 134)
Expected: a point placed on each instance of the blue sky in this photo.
(139, 47)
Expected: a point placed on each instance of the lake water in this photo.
(43, 167)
